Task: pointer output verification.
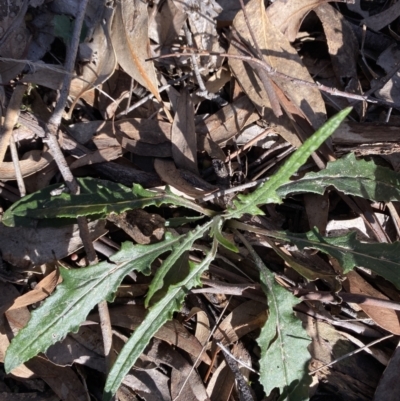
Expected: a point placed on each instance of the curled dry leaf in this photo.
(280, 55)
(343, 51)
(130, 39)
(388, 319)
(102, 63)
(168, 172)
(27, 247)
(161, 353)
(288, 16)
(379, 21)
(172, 332)
(40, 292)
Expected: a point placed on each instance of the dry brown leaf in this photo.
(62, 380)
(219, 387)
(102, 63)
(108, 148)
(161, 353)
(388, 319)
(168, 172)
(84, 348)
(14, 37)
(8, 294)
(343, 51)
(183, 135)
(27, 247)
(141, 226)
(140, 129)
(227, 122)
(130, 39)
(42, 290)
(379, 21)
(280, 55)
(173, 332)
(288, 16)
(245, 318)
(165, 25)
(203, 325)
(389, 385)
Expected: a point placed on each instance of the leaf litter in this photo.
(170, 103)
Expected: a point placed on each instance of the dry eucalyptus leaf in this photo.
(288, 16)
(388, 319)
(42, 290)
(27, 247)
(130, 39)
(183, 135)
(168, 172)
(161, 353)
(103, 61)
(14, 37)
(202, 21)
(379, 21)
(342, 46)
(280, 55)
(165, 25)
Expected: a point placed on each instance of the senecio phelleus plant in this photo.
(283, 341)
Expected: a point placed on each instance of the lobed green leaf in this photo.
(267, 192)
(80, 291)
(97, 198)
(283, 341)
(352, 177)
(381, 258)
(158, 314)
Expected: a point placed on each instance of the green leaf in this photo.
(185, 244)
(97, 199)
(381, 258)
(155, 318)
(216, 232)
(352, 177)
(80, 291)
(267, 192)
(283, 341)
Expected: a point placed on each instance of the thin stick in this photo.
(260, 63)
(226, 350)
(203, 91)
(11, 119)
(17, 167)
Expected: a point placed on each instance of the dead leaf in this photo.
(102, 63)
(183, 135)
(171, 175)
(42, 290)
(173, 332)
(27, 247)
(388, 319)
(247, 317)
(160, 352)
(378, 21)
(62, 380)
(280, 55)
(141, 226)
(203, 325)
(8, 295)
(288, 16)
(130, 39)
(388, 386)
